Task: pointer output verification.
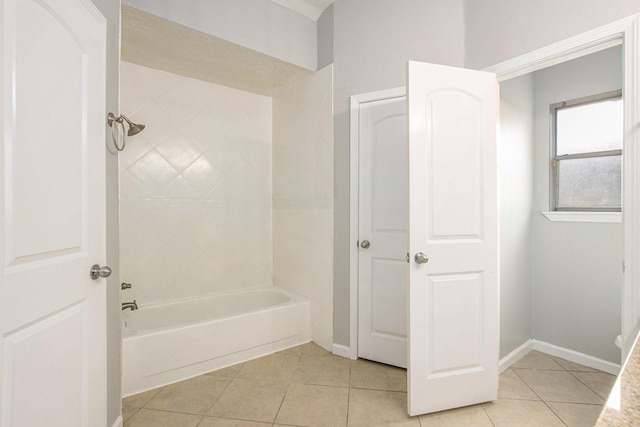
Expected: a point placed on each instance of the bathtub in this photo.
(168, 342)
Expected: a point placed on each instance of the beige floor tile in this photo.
(225, 422)
(471, 416)
(537, 360)
(314, 405)
(600, 382)
(193, 396)
(128, 412)
(512, 387)
(572, 366)
(323, 370)
(313, 349)
(228, 372)
(521, 413)
(576, 414)
(150, 418)
(369, 408)
(275, 367)
(140, 399)
(251, 400)
(377, 376)
(556, 386)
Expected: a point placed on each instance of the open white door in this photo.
(453, 299)
(52, 190)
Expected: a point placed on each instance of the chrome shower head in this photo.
(134, 128)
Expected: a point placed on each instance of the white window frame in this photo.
(582, 214)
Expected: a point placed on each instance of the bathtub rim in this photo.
(129, 333)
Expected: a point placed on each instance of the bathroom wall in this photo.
(195, 187)
(303, 197)
(497, 30)
(516, 210)
(577, 269)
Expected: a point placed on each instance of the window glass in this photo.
(585, 128)
(592, 182)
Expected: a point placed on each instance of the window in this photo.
(586, 154)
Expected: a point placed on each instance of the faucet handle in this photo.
(125, 285)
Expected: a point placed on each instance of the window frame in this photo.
(555, 159)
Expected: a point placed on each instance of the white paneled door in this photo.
(383, 229)
(453, 245)
(52, 315)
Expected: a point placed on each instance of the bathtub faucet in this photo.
(132, 305)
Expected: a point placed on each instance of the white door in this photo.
(453, 298)
(383, 230)
(52, 190)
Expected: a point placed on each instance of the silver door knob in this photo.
(97, 271)
(365, 244)
(421, 258)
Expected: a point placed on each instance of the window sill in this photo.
(611, 217)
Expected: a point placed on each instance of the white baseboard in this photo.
(118, 422)
(517, 354)
(341, 350)
(576, 357)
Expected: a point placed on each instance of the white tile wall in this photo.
(195, 187)
(303, 197)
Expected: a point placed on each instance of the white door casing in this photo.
(53, 353)
(383, 223)
(453, 298)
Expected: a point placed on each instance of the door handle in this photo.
(96, 272)
(421, 258)
(365, 244)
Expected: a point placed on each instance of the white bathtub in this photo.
(169, 342)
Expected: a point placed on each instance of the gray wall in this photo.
(577, 276)
(516, 209)
(111, 10)
(497, 30)
(325, 38)
(373, 39)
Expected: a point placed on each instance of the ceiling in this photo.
(309, 8)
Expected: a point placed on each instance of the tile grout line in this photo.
(542, 400)
(587, 385)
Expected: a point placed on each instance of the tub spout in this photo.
(132, 305)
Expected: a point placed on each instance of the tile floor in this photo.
(308, 386)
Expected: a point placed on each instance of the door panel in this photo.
(453, 298)
(52, 216)
(383, 221)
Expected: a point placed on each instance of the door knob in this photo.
(421, 258)
(365, 244)
(97, 271)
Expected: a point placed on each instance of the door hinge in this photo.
(408, 257)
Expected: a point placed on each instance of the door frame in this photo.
(625, 32)
(356, 101)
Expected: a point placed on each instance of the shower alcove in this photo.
(228, 189)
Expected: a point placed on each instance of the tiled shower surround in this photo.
(195, 187)
(212, 199)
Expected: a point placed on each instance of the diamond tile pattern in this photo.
(195, 187)
(308, 386)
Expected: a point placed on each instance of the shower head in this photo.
(134, 128)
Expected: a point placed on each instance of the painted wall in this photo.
(373, 39)
(516, 209)
(260, 25)
(497, 30)
(325, 37)
(303, 197)
(577, 277)
(195, 187)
